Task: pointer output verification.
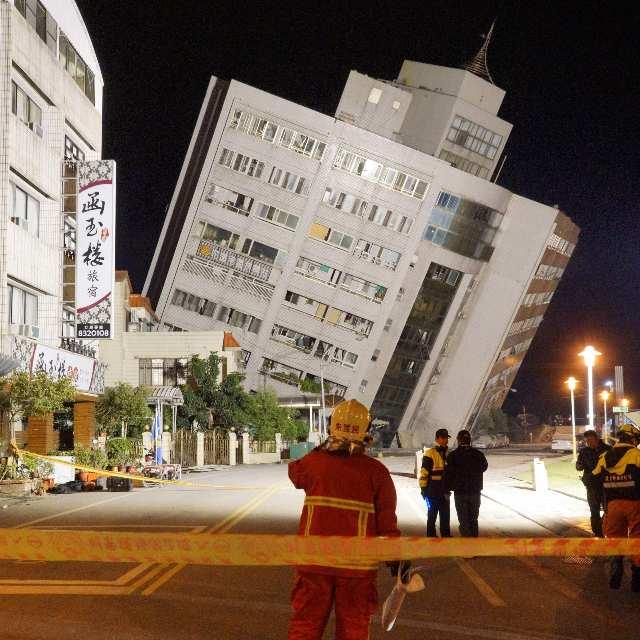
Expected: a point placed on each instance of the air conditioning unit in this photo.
(311, 268)
(36, 128)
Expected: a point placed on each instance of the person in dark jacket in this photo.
(587, 461)
(465, 467)
(433, 485)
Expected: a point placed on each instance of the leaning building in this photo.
(372, 248)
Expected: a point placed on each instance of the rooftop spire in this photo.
(478, 64)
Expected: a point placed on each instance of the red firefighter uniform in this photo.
(347, 494)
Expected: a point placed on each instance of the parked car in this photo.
(483, 441)
(501, 440)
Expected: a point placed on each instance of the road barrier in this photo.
(279, 550)
(129, 476)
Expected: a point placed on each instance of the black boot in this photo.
(616, 571)
(635, 579)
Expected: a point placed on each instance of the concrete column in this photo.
(41, 437)
(167, 451)
(84, 423)
(279, 444)
(147, 440)
(199, 449)
(246, 448)
(233, 448)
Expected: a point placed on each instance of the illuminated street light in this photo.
(589, 354)
(625, 404)
(605, 429)
(571, 383)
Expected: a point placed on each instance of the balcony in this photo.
(76, 346)
(208, 251)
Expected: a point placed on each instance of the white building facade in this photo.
(352, 249)
(50, 110)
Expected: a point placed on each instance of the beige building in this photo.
(141, 355)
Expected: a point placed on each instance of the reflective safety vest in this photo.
(619, 471)
(345, 496)
(432, 473)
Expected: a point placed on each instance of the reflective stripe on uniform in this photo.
(339, 503)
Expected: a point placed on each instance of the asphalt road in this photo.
(501, 599)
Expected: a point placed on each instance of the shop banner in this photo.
(95, 249)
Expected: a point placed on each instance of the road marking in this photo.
(69, 511)
(65, 527)
(479, 583)
(222, 527)
(561, 585)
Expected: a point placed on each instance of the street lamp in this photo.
(571, 383)
(625, 405)
(589, 354)
(605, 396)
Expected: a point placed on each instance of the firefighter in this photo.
(619, 470)
(347, 494)
(433, 486)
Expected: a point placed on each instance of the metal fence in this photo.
(185, 448)
(216, 447)
(258, 446)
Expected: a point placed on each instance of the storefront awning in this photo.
(171, 396)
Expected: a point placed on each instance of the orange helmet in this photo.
(350, 421)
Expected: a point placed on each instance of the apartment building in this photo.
(370, 250)
(50, 111)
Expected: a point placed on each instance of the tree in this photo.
(209, 401)
(265, 418)
(36, 395)
(121, 407)
(485, 424)
(500, 420)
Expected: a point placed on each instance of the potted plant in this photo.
(84, 457)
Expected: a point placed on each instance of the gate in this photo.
(216, 447)
(186, 448)
(239, 450)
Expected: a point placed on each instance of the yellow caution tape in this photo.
(129, 476)
(278, 550)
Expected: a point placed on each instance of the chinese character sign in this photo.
(95, 248)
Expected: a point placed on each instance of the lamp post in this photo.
(589, 354)
(571, 383)
(605, 429)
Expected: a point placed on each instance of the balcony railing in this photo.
(210, 252)
(75, 346)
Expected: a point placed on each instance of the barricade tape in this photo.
(279, 550)
(129, 476)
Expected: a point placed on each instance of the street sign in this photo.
(620, 409)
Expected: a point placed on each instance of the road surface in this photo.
(485, 598)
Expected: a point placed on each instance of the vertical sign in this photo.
(95, 249)
(619, 383)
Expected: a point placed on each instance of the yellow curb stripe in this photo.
(154, 586)
(479, 583)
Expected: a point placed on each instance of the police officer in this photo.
(619, 470)
(587, 461)
(433, 485)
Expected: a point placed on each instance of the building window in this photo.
(289, 181)
(72, 151)
(229, 199)
(245, 356)
(377, 254)
(463, 164)
(76, 67)
(270, 131)
(217, 235)
(25, 109)
(191, 302)
(259, 251)
(374, 95)
(241, 163)
(386, 177)
(282, 372)
(293, 338)
(278, 217)
(474, 137)
(25, 210)
(331, 236)
(238, 319)
(463, 226)
(23, 307)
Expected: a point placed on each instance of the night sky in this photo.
(571, 79)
